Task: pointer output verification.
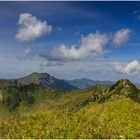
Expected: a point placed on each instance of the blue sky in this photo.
(97, 40)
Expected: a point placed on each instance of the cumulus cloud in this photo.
(130, 69)
(90, 45)
(31, 28)
(121, 36)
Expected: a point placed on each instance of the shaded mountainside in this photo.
(85, 83)
(12, 97)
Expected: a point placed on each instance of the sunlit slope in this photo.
(112, 119)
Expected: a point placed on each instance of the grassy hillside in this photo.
(117, 119)
(96, 112)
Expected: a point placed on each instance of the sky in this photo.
(69, 40)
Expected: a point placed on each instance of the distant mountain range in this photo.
(85, 83)
(45, 79)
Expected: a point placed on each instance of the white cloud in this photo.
(90, 45)
(130, 69)
(121, 36)
(31, 28)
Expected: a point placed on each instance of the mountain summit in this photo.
(45, 79)
(122, 89)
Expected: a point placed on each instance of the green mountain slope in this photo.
(12, 97)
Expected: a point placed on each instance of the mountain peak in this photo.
(122, 88)
(123, 84)
(45, 79)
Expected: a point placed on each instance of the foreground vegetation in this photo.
(96, 112)
(117, 119)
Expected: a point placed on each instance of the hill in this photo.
(85, 83)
